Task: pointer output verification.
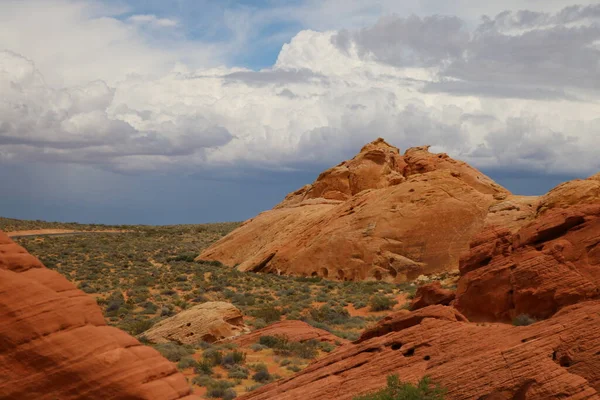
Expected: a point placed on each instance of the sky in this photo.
(190, 111)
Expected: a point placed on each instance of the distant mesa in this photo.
(382, 215)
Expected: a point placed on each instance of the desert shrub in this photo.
(204, 367)
(282, 346)
(174, 352)
(87, 288)
(243, 299)
(262, 376)
(307, 350)
(523, 320)
(149, 308)
(334, 315)
(351, 336)
(396, 390)
(229, 394)
(137, 327)
(219, 389)
(267, 313)
(215, 357)
(114, 302)
(167, 311)
(202, 380)
(258, 367)
(293, 368)
(358, 304)
(326, 347)
(380, 302)
(186, 362)
(258, 347)
(258, 323)
(233, 358)
(186, 257)
(238, 372)
(276, 341)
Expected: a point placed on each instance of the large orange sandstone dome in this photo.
(380, 215)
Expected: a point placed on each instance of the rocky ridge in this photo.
(379, 216)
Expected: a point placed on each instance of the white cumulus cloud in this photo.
(412, 80)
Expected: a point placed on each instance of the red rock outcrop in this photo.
(556, 358)
(381, 215)
(295, 331)
(552, 262)
(54, 342)
(431, 294)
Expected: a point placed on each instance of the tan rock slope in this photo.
(554, 359)
(54, 343)
(380, 215)
(210, 322)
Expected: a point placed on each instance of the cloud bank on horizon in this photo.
(107, 85)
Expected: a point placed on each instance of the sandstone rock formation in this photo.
(54, 342)
(551, 262)
(295, 331)
(210, 322)
(431, 294)
(548, 264)
(556, 358)
(381, 215)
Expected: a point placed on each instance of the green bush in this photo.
(233, 358)
(380, 303)
(186, 362)
(523, 320)
(262, 376)
(174, 352)
(396, 390)
(334, 315)
(204, 367)
(283, 347)
(238, 372)
(268, 314)
(215, 357)
(219, 389)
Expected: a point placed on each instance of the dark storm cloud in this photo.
(523, 54)
(557, 57)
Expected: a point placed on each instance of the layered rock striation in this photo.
(556, 358)
(55, 344)
(209, 322)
